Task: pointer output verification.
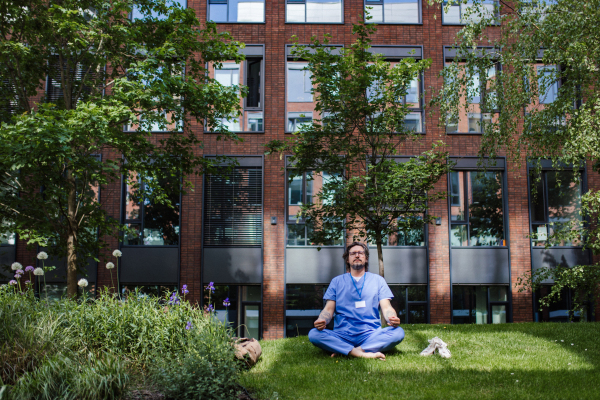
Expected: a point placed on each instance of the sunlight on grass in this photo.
(499, 361)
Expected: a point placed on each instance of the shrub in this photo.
(206, 369)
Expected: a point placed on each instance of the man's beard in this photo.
(358, 267)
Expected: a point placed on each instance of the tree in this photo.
(543, 104)
(361, 130)
(138, 64)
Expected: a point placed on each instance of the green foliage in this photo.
(362, 127)
(542, 47)
(91, 349)
(206, 368)
(108, 71)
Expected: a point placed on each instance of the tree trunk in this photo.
(381, 271)
(71, 239)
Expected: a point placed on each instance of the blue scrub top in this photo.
(350, 320)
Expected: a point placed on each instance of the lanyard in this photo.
(356, 287)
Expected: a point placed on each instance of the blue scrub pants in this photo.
(381, 339)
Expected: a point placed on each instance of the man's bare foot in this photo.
(358, 352)
(332, 355)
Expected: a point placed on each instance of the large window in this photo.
(555, 200)
(479, 111)
(560, 309)
(251, 11)
(303, 304)
(394, 11)
(480, 304)
(406, 237)
(462, 12)
(302, 189)
(317, 11)
(150, 223)
(476, 208)
(249, 73)
(410, 302)
(239, 307)
(233, 208)
(299, 97)
(547, 83)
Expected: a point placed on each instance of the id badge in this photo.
(360, 304)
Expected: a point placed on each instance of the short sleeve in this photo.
(331, 293)
(384, 290)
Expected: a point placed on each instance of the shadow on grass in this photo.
(520, 361)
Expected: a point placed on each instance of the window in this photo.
(7, 238)
(412, 100)
(58, 291)
(303, 304)
(480, 304)
(75, 73)
(137, 14)
(299, 104)
(410, 302)
(555, 201)
(461, 13)
(394, 11)
(248, 73)
(317, 11)
(408, 237)
(547, 83)
(143, 291)
(150, 223)
(243, 312)
(302, 189)
(559, 310)
(480, 111)
(251, 11)
(476, 208)
(233, 208)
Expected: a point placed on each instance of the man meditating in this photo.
(355, 298)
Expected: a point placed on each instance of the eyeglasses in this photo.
(356, 253)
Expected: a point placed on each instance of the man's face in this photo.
(357, 258)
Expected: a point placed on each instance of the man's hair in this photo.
(346, 255)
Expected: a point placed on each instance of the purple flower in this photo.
(184, 289)
(174, 299)
(13, 282)
(226, 302)
(211, 287)
(29, 268)
(210, 308)
(20, 272)
(17, 276)
(27, 282)
(189, 325)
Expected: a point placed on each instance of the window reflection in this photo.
(479, 304)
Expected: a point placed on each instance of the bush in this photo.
(207, 369)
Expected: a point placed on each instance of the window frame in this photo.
(469, 164)
(141, 222)
(369, 3)
(305, 16)
(251, 52)
(489, 304)
(208, 3)
(461, 5)
(450, 55)
(547, 167)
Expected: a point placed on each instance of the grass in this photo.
(508, 361)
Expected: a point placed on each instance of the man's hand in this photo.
(320, 324)
(393, 321)
(325, 315)
(389, 313)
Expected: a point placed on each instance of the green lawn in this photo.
(509, 361)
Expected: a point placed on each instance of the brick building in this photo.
(241, 233)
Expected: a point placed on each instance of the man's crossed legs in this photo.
(370, 344)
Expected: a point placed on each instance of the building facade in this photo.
(241, 231)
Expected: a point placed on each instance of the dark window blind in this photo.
(233, 208)
(8, 100)
(54, 90)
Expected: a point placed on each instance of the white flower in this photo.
(117, 253)
(110, 265)
(15, 266)
(82, 283)
(38, 272)
(42, 255)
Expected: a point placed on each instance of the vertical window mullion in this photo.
(466, 177)
(545, 200)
